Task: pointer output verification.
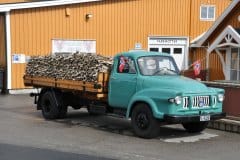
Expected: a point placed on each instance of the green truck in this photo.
(145, 87)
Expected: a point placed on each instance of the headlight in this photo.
(177, 100)
(220, 97)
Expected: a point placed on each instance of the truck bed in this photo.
(99, 88)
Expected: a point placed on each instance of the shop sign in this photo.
(167, 41)
(72, 46)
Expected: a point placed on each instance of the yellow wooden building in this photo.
(219, 47)
(101, 26)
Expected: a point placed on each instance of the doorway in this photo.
(176, 47)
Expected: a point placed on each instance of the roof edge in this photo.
(9, 7)
(228, 30)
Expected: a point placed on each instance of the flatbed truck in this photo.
(145, 87)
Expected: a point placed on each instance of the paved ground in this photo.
(24, 134)
(11, 152)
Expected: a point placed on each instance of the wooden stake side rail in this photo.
(100, 87)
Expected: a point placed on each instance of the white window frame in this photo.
(207, 18)
(238, 66)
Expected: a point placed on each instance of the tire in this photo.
(61, 107)
(143, 122)
(52, 106)
(195, 127)
(92, 113)
(62, 112)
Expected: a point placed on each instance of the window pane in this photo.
(233, 75)
(234, 59)
(132, 68)
(234, 64)
(234, 50)
(203, 12)
(126, 65)
(177, 51)
(239, 64)
(154, 49)
(166, 50)
(211, 11)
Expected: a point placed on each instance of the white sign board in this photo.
(71, 46)
(166, 41)
(18, 58)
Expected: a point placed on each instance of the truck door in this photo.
(122, 82)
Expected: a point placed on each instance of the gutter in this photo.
(8, 7)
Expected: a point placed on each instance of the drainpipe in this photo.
(8, 50)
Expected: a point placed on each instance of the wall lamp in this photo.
(88, 16)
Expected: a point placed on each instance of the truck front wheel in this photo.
(195, 127)
(143, 122)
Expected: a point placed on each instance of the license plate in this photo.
(205, 118)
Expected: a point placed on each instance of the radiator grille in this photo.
(200, 101)
(185, 102)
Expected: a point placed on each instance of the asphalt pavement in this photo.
(25, 135)
(11, 152)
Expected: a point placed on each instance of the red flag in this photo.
(197, 67)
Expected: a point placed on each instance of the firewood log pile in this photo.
(77, 66)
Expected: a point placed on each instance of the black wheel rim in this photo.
(142, 121)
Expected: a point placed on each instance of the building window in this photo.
(154, 49)
(207, 13)
(177, 50)
(235, 64)
(166, 50)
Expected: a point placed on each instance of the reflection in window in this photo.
(235, 64)
(207, 12)
(126, 65)
(157, 65)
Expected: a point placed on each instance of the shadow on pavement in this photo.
(117, 125)
(11, 152)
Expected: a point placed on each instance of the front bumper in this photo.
(191, 118)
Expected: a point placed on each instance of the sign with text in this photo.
(72, 46)
(166, 41)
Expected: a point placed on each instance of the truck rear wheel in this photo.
(143, 122)
(195, 127)
(52, 106)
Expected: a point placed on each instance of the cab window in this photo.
(126, 65)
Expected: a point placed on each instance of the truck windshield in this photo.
(157, 65)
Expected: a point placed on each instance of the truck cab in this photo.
(148, 85)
